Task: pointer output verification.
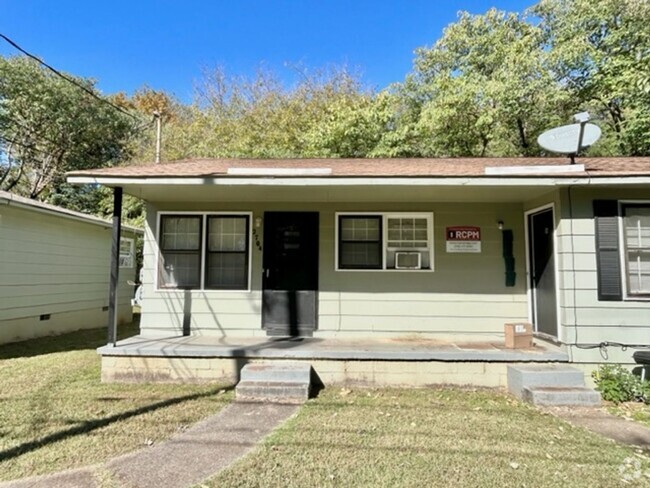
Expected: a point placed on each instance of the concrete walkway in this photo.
(182, 461)
(602, 422)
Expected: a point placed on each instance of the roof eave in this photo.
(223, 180)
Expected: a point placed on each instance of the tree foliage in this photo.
(484, 88)
(326, 114)
(48, 126)
(493, 82)
(600, 54)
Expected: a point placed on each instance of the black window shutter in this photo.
(607, 250)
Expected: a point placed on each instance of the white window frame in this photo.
(627, 296)
(131, 254)
(204, 221)
(384, 240)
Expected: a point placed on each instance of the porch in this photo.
(368, 362)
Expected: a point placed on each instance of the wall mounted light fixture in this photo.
(500, 224)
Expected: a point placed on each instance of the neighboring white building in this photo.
(54, 269)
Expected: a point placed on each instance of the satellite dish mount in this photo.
(571, 139)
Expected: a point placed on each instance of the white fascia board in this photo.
(534, 170)
(279, 171)
(609, 180)
(369, 181)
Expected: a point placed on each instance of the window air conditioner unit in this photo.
(408, 260)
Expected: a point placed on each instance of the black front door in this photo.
(541, 226)
(290, 281)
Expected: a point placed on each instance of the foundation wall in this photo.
(126, 369)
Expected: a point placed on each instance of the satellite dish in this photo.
(569, 139)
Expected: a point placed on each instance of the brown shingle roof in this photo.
(395, 167)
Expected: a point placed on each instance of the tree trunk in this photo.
(522, 133)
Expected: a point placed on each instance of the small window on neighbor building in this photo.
(127, 252)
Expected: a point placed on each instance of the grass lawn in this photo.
(432, 437)
(55, 413)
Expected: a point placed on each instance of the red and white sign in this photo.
(463, 239)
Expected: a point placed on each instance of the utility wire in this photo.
(67, 78)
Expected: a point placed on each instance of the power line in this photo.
(67, 78)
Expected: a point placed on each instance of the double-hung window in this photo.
(180, 249)
(388, 241)
(360, 242)
(227, 253)
(636, 257)
(204, 251)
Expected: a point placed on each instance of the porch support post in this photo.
(115, 266)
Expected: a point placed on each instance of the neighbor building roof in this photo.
(393, 167)
(10, 199)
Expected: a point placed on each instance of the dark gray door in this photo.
(290, 281)
(541, 226)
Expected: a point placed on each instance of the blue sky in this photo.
(166, 44)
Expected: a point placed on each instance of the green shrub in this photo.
(617, 384)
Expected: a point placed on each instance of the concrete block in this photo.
(261, 391)
(277, 372)
(554, 375)
(554, 395)
(275, 382)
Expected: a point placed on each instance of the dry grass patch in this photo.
(637, 411)
(57, 415)
(431, 437)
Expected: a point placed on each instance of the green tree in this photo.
(600, 52)
(48, 127)
(326, 113)
(483, 89)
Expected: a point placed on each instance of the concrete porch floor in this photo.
(309, 348)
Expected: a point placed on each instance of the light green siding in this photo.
(57, 266)
(585, 320)
(465, 295)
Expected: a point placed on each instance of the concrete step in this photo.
(555, 395)
(521, 376)
(276, 381)
(282, 372)
(263, 391)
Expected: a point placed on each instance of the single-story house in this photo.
(397, 249)
(54, 269)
